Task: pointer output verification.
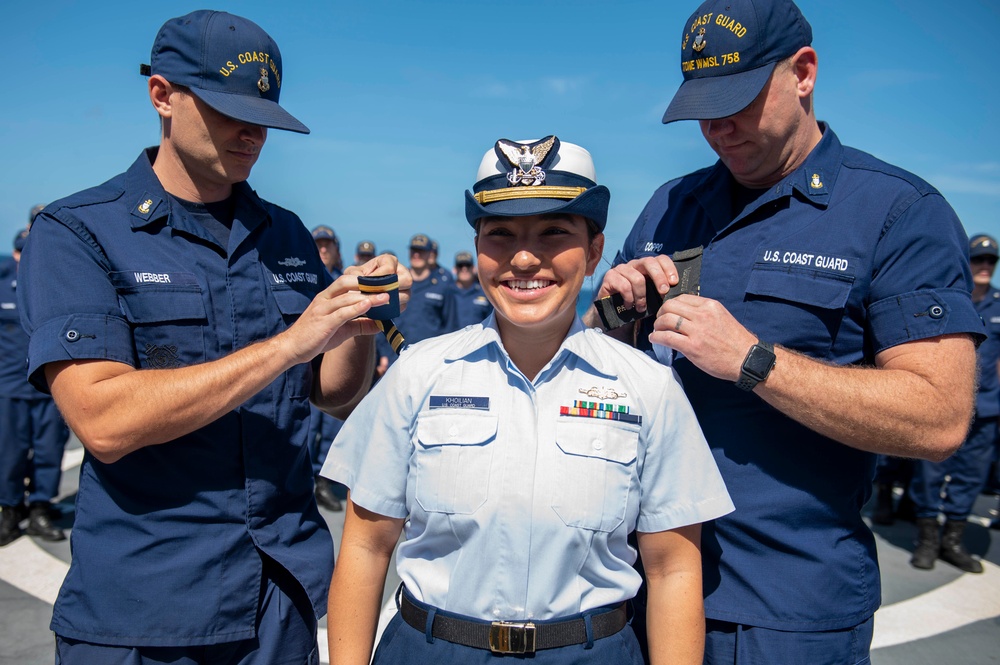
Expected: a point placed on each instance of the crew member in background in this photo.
(951, 487)
(429, 312)
(364, 252)
(432, 258)
(32, 433)
(322, 426)
(471, 303)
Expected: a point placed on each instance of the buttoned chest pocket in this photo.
(291, 304)
(168, 324)
(594, 472)
(454, 453)
(800, 309)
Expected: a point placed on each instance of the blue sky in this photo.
(403, 99)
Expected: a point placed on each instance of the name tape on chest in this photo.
(459, 402)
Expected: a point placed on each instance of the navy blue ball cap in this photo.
(983, 245)
(324, 233)
(463, 259)
(34, 212)
(421, 242)
(226, 61)
(728, 50)
(524, 178)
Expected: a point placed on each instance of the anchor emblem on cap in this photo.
(525, 159)
(699, 41)
(263, 84)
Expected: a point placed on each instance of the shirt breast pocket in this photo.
(168, 324)
(291, 303)
(594, 474)
(454, 453)
(800, 309)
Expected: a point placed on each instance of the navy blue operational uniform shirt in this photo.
(13, 339)
(166, 540)
(845, 257)
(988, 397)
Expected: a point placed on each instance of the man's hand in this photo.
(629, 279)
(337, 313)
(706, 333)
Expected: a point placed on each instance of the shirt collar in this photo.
(579, 342)
(814, 180)
(149, 202)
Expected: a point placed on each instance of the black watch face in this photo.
(758, 362)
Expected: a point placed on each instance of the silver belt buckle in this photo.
(511, 637)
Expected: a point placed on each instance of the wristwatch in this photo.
(756, 366)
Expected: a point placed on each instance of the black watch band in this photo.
(756, 366)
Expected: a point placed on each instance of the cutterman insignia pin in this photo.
(525, 160)
(263, 84)
(815, 182)
(602, 393)
(699, 41)
(145, 205)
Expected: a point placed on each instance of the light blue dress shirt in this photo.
(514, 508)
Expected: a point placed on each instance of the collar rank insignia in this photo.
(145, 206)
(602, 393)
(815, 182)
(526, 160)
(263, 84)
(699, 41)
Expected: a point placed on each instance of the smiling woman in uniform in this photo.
(518, 454)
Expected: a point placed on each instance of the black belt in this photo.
(514, 637)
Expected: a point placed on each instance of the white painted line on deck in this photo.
(25, 565)
(968, 599)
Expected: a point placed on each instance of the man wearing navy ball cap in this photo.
(833, 322)
(183, 324)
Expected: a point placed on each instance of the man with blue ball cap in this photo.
(833, 323)
(183, 324)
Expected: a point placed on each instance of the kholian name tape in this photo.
(612, 308)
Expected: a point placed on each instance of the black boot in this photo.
(928, 543)
(883, 505)
(40, 523)
(954, 552)
(10, 528)
(325, 496)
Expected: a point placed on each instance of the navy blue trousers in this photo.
(968, 469)
(732, 644)
(32, 439)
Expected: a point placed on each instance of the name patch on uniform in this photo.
(459, 402)
(600, 410)
(141, 276)
(807, 259)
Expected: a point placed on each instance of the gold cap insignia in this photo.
(263, 84)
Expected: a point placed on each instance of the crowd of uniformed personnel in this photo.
(207, 343)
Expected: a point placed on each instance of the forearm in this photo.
(675, 613)
(358, 584)
(123, 409)
(894, 411)
(345, 376)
